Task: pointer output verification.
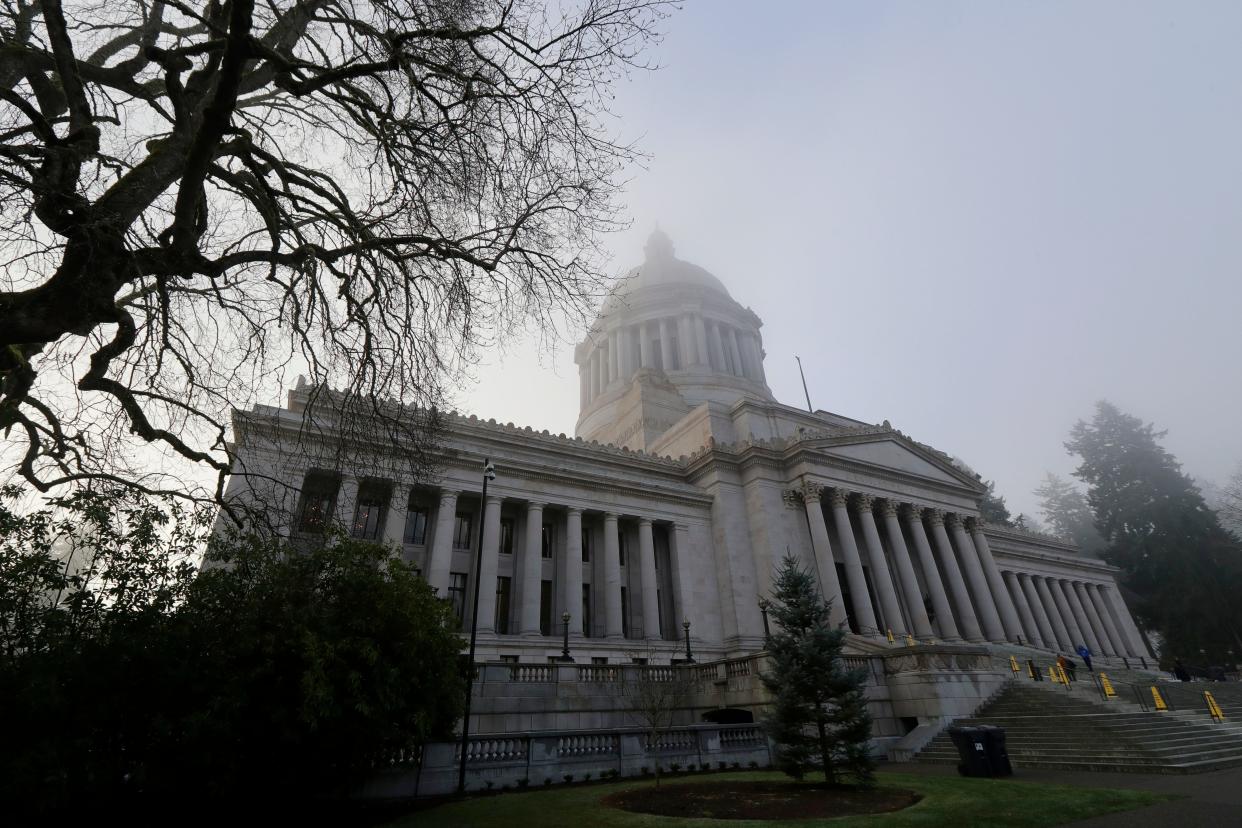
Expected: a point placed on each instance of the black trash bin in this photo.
(972, 750)
(994, 746)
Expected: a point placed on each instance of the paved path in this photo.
(1213, 799)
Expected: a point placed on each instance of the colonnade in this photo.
(528, 560)
(670, 343)
(970, 597)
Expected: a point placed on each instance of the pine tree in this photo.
(819, 717)
(992, 506)
(1175, 556)
(1068, 513)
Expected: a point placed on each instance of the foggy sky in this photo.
(971, 219)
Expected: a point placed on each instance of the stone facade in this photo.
(685, 487)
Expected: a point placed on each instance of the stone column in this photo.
(1056, 616)
(957, 585)
(685, 339)
(666, 346)
(394, 515)
(1004, 603)
(624, 358)
(683, 574)
(572, 577)
(532, 566)
(915, 610)
(979, 587)
(1135, 644)
(1036, 602)
(735, 351)
(1093, 620)
(829, 585)
(644, 346)
(593, 363)
(347, 502)
(890, 607)
(1067, 613)
(1033, 635)
(614, 356)
(700, 338)
(717, 346)
(442, 543)
(935, 587)
(864, 614)
(487, 566)
(650, 584)
(613, 628)
(584, 382)
(1085, 633)
(757, 356)
(1106, 618)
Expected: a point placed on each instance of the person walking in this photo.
(1086, 656)
(1067, 664)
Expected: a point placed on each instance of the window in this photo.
(545, 607)
(674, 347)
(506, 536)
(457, 594)
(367, 515)
(621, 544)
(586, 610)
(461, 531)
(545, 548)
(416, 525)
(638, 660)
(599, 659)
(317, 501)
(625, 613)
(504, 587)
(657, 356)
(586, 545)
(660, 614)
(508, 659)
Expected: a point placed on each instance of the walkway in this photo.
(1213, 798)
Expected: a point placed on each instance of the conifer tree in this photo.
(819, 717)
(1186, 570)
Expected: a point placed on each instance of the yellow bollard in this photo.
(1109, 692)
(890, 635)
(1031, 670)
(1064, 677)
(1052, 674)
(1158, 699)
(1013, 665)
(1213, 707)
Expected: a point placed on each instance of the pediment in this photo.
(894, 454)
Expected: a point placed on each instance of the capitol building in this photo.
(668, 513)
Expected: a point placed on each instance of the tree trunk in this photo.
(825, 757)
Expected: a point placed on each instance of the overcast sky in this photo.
(971, 219)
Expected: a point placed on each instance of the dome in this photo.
(662, 268)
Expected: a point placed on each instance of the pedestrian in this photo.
(1179, 671)
(1067, 665)
(1086, 656)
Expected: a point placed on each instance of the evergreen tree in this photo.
(1068, 513)
(819, 717)
(1175, 556)
(992, 506)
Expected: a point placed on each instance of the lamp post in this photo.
(685, 625)
(764, 604)
(565, 641)
(489, 473)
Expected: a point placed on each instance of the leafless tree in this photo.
(653, 696)
(201, 199)
(1230, 504)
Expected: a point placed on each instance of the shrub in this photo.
(674, 767)
(692, 767)
(753, 764)
(490, 783)
(569, 777)
(523, 782)
(722, 765)
(644, 770)
(547, 780)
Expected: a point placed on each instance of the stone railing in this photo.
(554, 757)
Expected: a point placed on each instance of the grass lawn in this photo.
(946, 800)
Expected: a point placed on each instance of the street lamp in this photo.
(489, 473)
(685, 625)
(565, 641)
(764, 604)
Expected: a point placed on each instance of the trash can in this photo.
(971, 750)
(994, 745)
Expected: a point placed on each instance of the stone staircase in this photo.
(1051, 727)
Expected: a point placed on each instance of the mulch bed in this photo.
(759, 800)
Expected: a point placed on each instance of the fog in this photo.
(970, 219)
